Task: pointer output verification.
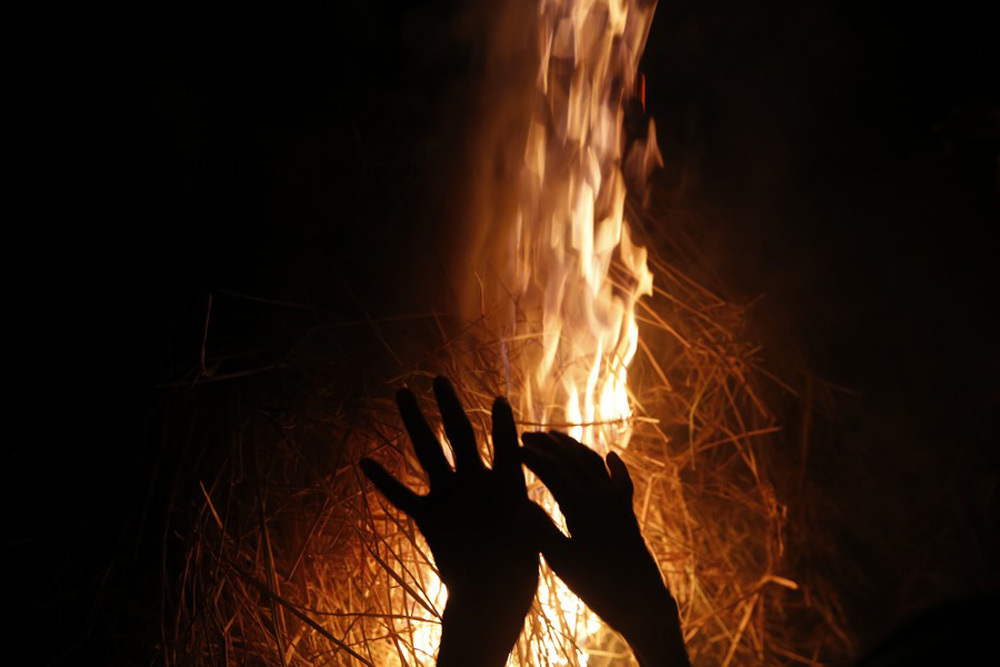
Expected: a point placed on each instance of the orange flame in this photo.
(577, 271)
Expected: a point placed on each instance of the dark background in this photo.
(839, 159)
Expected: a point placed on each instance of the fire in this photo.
(550, 322)
(572, 266)
(577, 272)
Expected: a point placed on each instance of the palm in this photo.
(475, 534)
(474, 518)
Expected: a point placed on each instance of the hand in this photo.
(604, 560)
(476, 522)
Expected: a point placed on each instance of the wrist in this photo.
(475, 632)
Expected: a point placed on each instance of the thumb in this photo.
(401, 497)
(620, 476)
(556, 547)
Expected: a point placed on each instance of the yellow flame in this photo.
(577, 272)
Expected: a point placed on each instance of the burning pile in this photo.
(584, 332)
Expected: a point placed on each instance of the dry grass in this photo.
(288, 558)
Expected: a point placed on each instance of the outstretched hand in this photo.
(476, 523)
(604, 560)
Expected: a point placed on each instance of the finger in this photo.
(556, 547)
(570, 457)
(505, 461)
(401, 497)
(620, 476)
(584, 459)
(559, 479)
(425, 443)
(457, 427)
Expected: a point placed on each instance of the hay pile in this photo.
(285, 555)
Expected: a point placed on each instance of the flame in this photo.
(577, 272)
(573, 268)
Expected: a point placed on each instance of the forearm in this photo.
(657, 641)
(472, 634)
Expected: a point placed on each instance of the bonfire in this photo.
(290, 558)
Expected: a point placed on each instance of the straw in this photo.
(287, 556)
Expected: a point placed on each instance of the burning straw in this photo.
(290, 559)
(288, 556)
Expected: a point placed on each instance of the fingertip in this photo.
(501, 403)
(442, 385)
(502, 410)
(620, 474)
(616, 466)
(504, 428)
(395, 491)
(373, 470)
(447, 399)
(405, 399)
(533, 437)
(367, 465)
(567, 439)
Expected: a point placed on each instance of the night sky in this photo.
(837, 161)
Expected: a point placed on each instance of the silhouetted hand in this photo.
(476, 522)
(604, 560)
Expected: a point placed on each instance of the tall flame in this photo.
(577, 272)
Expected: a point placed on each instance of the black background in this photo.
(840, 159)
